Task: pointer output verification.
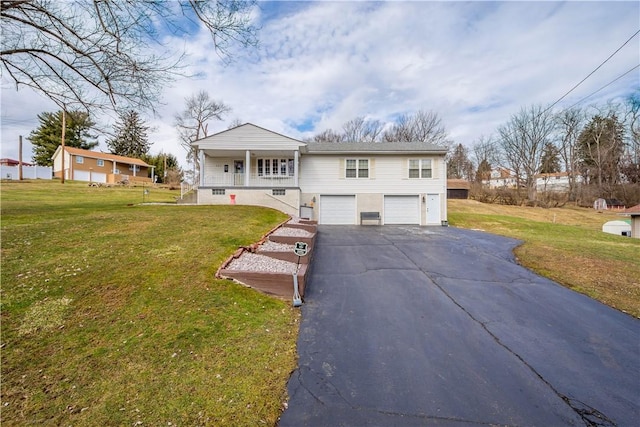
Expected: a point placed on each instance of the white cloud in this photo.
(321, 64)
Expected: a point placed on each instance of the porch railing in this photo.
(185, 188)
(237, 180)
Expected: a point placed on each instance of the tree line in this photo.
(597, 146)
(420, 127)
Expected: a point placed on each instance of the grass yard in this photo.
(111, 314)
(566, 245)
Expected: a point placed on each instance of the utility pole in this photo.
(164, 169)
(20, 159)
(64, 127)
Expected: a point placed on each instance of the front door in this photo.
(433, 209)
(238, 172)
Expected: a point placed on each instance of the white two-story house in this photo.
(333, 183)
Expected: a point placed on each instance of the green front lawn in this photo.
(111, 314)
(566, 245)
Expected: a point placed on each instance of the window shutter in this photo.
(434, 168)
(372, 168)
(405, 168)
(341, 172)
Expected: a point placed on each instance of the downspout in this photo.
(296, 159)
(202, 162)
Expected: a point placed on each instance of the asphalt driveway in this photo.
(407, 326)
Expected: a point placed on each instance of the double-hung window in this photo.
(420, 168)
(79, 159)
(100, 162)
(356, 168)
(275, 167)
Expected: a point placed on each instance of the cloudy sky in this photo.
(323, 63)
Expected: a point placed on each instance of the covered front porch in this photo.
(250, 165)
(249, 168)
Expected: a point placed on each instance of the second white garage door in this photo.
(337, 210)
(402, 210)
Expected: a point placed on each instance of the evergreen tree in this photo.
(550, 161)
(484, 171)
(600, 149)
(159, 161)
(130, 136)
(48, 136)
(459, 166)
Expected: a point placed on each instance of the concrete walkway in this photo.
(414, 326)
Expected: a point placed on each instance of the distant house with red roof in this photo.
(94, 166)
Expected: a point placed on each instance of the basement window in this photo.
(279, 192)
(218, 191)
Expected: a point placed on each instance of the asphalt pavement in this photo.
(415, 326)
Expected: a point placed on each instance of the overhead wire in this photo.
(603, 87)
(592, 72)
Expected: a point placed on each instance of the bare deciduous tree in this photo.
(108, 53)
(522, 140)
(362, 130)
(328, 135)
(193, 122)
(424, 126)
(569, 123)
(485, 156)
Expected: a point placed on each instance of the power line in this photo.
(592, 72)
(608, 84)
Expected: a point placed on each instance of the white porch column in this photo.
(247, 167)
(296, 159)
(201, 155)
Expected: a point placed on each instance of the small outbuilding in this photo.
(458, 189)
(634, 213)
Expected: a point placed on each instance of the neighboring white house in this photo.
(555, 181)
(501, 178)
(332, 183)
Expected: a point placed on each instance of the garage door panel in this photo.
(338, 209)
(402, 209)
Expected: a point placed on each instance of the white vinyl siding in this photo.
(387, 175)
(249, 137)
(402, 209)
(337, 209)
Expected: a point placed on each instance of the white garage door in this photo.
(402, 210)
(81, 175)
(337, 210)
(89, 176)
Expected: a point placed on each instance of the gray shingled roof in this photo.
(372, 147)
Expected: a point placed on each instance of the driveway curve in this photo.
(414, 326)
